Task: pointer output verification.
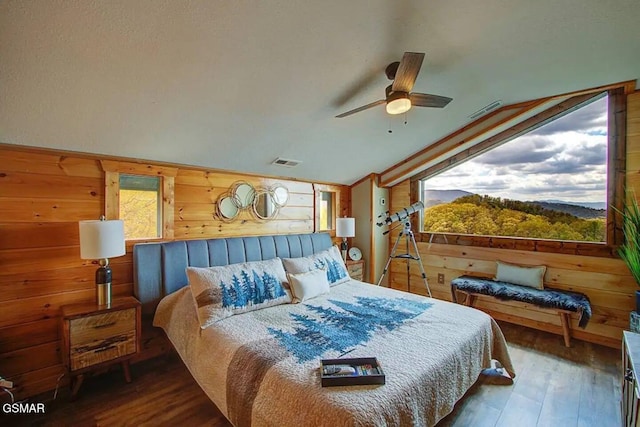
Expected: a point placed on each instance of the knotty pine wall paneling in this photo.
(606, 281)
(43, 195)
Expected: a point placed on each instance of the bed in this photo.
(262, 367)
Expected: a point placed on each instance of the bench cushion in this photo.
(521, 275)
(547, 298)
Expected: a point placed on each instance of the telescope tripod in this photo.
(408, 235)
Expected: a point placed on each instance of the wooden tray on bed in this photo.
(354, 371)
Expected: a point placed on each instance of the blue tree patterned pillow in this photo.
(329, 259)
(220, 292)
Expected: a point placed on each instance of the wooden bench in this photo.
(563, 302)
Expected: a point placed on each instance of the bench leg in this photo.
(566, 331)
(469, 300)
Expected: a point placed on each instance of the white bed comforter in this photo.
(262, 367)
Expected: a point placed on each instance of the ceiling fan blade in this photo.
(426, 100)
(357, 86)
(364, 107)
(407, 72)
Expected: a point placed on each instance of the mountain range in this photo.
(585, 210)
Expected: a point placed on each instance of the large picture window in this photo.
(548, 183)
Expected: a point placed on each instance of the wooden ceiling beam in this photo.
(506, 135)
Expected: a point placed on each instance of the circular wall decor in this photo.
(227, 208)
(263, 203)
(280, 195)
(264, 206)
(244, 194)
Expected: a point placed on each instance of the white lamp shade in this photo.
(101, 239)
(345, 227)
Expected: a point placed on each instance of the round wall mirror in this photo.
(263, 205)
(280, 195)
(227, 208)
(244, 195)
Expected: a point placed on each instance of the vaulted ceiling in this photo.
(235, 84)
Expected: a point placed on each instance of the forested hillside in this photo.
(485, 215)
(575, 210)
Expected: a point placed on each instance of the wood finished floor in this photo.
(554, 386)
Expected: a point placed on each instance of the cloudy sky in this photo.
(563, 160)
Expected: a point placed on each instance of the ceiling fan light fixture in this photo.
(398, 103)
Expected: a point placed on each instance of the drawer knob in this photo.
(628, 376)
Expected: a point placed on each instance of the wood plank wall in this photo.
(43, 195)
(606, 281)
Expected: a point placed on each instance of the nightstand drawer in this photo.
(89, 329)
(99, 351)
(356, 269)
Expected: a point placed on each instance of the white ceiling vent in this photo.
(485, 110)
(286, 162)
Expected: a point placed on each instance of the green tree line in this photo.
(492, 216)
(139, 210)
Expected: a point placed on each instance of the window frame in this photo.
(335, 206)
(329, 197)
(112, 170)
(616, 174)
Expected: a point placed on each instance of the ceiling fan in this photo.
(399, 98)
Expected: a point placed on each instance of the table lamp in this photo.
(345, 227)
(101, 240)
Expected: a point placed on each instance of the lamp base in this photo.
(103, 284)
(103, 294)
(343, 248)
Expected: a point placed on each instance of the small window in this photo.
(140, 206)
(327, 205)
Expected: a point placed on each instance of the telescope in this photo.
(406, 232)
(401, 214)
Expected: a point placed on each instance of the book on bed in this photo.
(353, 371)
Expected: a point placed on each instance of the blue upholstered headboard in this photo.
(159, 268)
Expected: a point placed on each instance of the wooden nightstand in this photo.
(96, 336)
(356, 269)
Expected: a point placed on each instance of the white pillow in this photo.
(520, 275)
(220, 292)
(311, 284)
(331, 259)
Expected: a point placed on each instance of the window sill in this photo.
(129, 243)
(521, 244)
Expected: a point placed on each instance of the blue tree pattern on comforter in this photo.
(341, 330)
(335, 271)
(246, 290)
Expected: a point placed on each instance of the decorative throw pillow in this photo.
(520, 275)
(329, 259)
(311, 284)
(220, 292)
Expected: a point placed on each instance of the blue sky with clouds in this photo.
(562, 160)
